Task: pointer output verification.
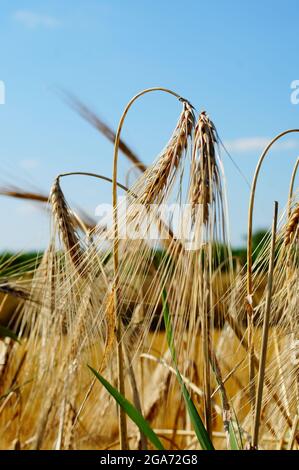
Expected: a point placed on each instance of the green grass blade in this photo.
(239, 433)
(199, 428)
(131, 411)
(7, 333)
(234, 445)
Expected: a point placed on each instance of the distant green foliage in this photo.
(24, 262)
(11, 263)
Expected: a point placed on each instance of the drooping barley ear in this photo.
(292, 225)
(205, 174)
(9, 289)
(165, 168)
(64, 220)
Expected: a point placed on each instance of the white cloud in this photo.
(257, 144)
(29, 164)
(32, 20)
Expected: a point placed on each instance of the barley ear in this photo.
(65, 224)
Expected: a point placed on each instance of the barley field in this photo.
(149, 333)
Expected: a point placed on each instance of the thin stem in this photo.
(121, 385)
(93, 175)
(262, 366)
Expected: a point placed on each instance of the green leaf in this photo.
(240, 445)
(131, 411)
(232, 437)
(200, 430)
(7, 333)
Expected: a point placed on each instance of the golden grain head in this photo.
(64, 221)
(164, 170)
(205, 178)
(292, 225)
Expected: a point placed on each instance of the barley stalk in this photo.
(121, 385)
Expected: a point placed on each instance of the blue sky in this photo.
(234, 59)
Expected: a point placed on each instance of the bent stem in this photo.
(250, 306)
(121, 385)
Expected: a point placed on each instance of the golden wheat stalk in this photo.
(121, 385)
